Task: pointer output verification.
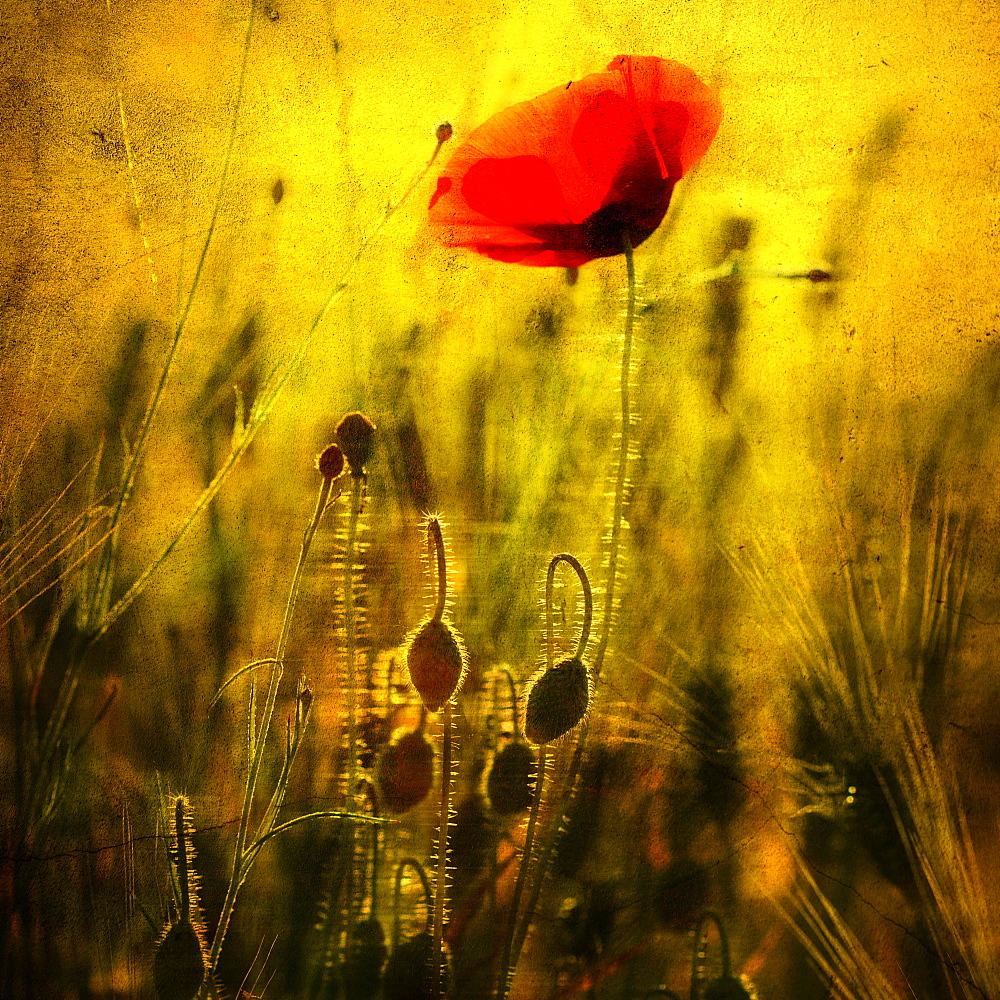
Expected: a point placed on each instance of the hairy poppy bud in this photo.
(436, 662)
(355, 435)
(404, 772)
(444, 132)
(330, 462)
(727, 988)
(179, 963)
(512, 779)
(364, 960)
(557, 701)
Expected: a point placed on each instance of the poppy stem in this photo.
(569, 784)
(622, 473)
(441, 885)
(511, 954)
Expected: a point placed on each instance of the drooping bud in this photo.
(330, 462)
(512, 779)
(356, 437)
(404, 772)
(436, 661)
(557, 700)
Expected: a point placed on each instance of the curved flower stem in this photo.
(569, 784)
(508, 962)
(588, 605)
(438, 562)
(440, 885)
(242, 855)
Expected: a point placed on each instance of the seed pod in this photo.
(409, 973)
(512, 779)
(727, 988)
(436, 661)
(404, 772)
(557, 701)
(355, 435)
(680, 893)
(363, 962)
(179, 963)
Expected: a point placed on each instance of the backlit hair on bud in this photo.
(559, 696)
(436, 655)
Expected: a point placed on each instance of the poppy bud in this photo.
(409, 974)
(681, 892)
(179, 963)
(436, 662)
(355, 435)
(404, 772)
(557, 701)
(444, 133)
(330, 462)
(727, 988)
(512, 779)
(364, 960)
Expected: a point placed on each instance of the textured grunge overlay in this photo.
(635, 636)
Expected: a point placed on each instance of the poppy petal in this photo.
(516, 191)
(558, 181)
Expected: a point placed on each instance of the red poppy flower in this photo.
(560, 180)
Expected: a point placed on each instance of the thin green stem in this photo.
(621, 476)
(242, 857)
(132, 466)
(508, 962)
(441, 883)
(322, 814)
(262, 410)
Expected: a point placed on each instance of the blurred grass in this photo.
(801, 413)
